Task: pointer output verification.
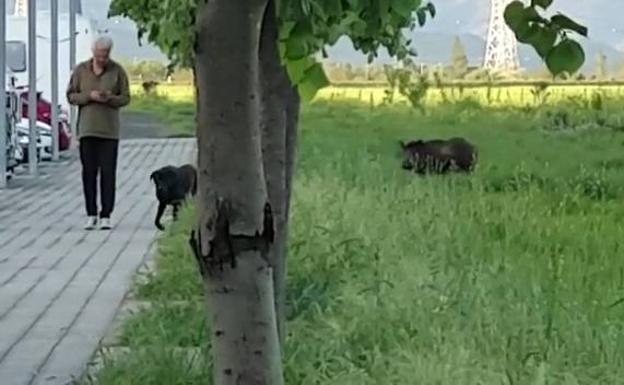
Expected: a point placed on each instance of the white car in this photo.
(44, 140)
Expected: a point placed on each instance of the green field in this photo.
(513, 275)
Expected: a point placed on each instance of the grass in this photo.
(180, 114)
(513, 275)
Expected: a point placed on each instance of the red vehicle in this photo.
(44, 114)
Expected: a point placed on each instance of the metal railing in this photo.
(3, 102)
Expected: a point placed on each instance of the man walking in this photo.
(99, 87)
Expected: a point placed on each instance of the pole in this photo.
(72, 59)
(54, 78)
(3, 99)
(32, 87)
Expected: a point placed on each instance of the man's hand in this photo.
(100, 96)
(105, 96)
(95, 96)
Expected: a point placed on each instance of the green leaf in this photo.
(565, 22)
(297, 68)
(525, 32)
(567, 56)
(531, 14)
(543, 39)
(353, 23)
(305, 7)
(313, 81)
(383, 10)
(522, 21)
(514, 14)
(432, 9)
(298, 42)
(422, 16)
(403, 7)
(296, 48)
(333, 8)
(541, 3)
(285, 29)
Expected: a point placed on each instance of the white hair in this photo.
(103, 42)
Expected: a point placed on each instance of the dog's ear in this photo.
(153, 176)
(402, 144)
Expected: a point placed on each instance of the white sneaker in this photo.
(91, 223)
(105, 224)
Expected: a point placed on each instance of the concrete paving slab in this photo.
(61, 286)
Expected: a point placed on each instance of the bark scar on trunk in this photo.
(225, 246)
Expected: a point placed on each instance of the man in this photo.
(99, 87)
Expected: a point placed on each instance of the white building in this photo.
(17, 49)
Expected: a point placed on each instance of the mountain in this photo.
(466, 18)
(127, 48)
(433, 48)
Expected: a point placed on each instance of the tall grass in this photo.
(513, 275)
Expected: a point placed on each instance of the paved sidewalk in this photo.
(60, 286)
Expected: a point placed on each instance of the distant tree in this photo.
(350, 73)
(477, 74)
(376, 73)
(335, 72)
(147, 70)
(620, 71)
(459, 60)
(601, 67)
(543, 73)
(182, 75)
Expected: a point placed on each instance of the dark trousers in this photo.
(99, 156)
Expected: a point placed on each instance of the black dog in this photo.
(439, 156)
(173, 186)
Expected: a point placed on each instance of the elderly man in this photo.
(99, 87)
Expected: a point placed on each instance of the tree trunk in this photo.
(273, 77)
(293, 105)
(235, 226)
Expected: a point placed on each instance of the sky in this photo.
(471, 16)
(603, 17)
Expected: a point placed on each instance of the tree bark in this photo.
(293, 106)
(235, 228)
(276, 93)
(292, 103)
